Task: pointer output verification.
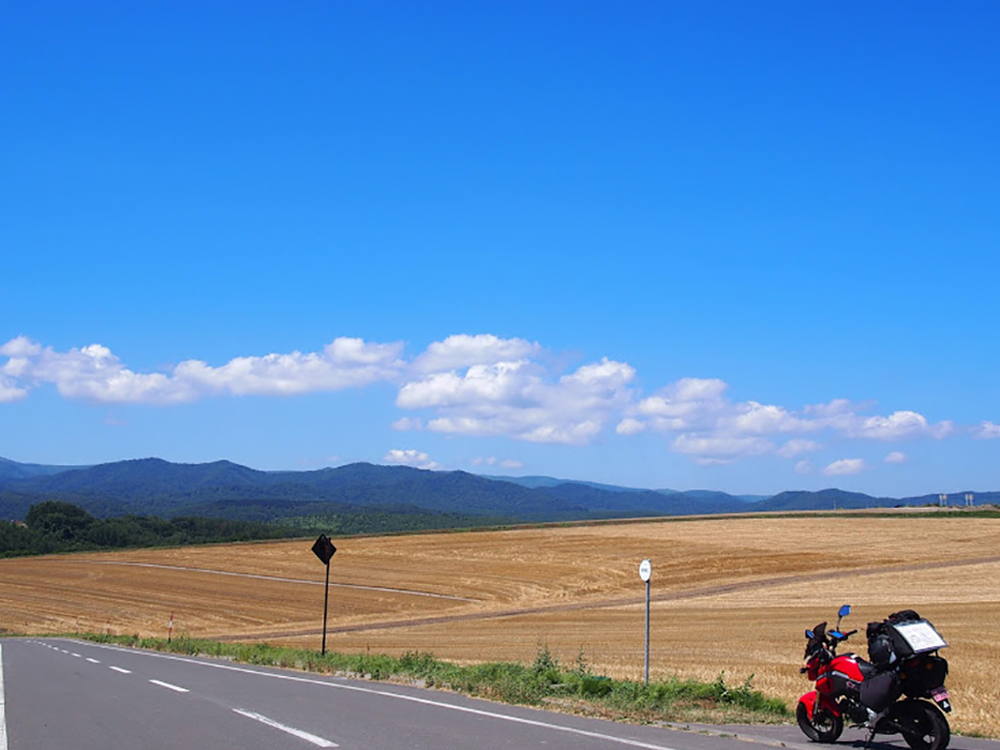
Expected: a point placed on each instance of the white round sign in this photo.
(645, 570)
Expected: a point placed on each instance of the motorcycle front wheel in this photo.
(922, 725)
(822, 727)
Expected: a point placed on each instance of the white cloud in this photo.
(845, 466)
(798, 446)
(895, 457)
(986, 431)
(721, 447)
(94, 373)
(344, 363)
(482, 385)
(699, 410)
(463, 350)
(21, 346)
(9, 391)
(803, 467)
(688, 403)
(630, 426)
(407, 423)
(519, 399)
(506, 463)
(410, 457)
(752, 418)
(899, 424)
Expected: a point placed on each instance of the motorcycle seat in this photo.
(867, 668)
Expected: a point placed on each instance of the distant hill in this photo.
(834, 499)
(14, 470)
(543, 481)
(223, 489)
(158, 487)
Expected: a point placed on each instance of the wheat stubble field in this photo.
(730, 595)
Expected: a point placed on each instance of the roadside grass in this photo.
(545, 683)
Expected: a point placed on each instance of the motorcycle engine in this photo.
(857, 713)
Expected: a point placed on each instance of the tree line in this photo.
(56, 526)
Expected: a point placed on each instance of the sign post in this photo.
(645, 573)
(170, 628)
(323, 549)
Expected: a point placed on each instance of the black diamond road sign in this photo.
(323, 549)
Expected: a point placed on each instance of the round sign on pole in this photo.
(645, 570)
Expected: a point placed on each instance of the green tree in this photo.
(62, 520)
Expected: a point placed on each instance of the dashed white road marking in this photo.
(3, 708)
(397, 696)
(318, 741)
(93, 661)
(76, 655)
(123, 671)
(168, 686)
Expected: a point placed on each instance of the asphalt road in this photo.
(58, 693)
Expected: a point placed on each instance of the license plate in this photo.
(939, 694)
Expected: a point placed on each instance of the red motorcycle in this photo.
(901, 691)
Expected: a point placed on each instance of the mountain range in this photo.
(223, 489)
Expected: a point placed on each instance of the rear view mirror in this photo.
(844, 611)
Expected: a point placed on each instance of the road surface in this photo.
(58, 693)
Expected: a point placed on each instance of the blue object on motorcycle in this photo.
(844, 611)
(810, 635)
(836, 634)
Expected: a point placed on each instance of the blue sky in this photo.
(745, 247)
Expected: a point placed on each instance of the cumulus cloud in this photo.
(899, 424)
(895, 457)
(630, 426)
(483, 385)
(506, 463)
(407, 423)
(462, 350)
(410, 457)
(986, 431)
(9, 391)
(845, 466)
(721, 447)
(798, 446)
(707, 424)
(94, 373)
(520, 399)
(20, 346)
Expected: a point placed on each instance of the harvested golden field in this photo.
(730, 595)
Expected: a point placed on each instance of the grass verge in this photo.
(544, 683)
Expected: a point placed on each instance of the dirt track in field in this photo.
(707, 591)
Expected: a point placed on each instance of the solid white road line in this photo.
(398, 696)
(318, 741)
(168, 686)
(123, 671)
(3, 708)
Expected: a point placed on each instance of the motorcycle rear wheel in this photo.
(922, 725)
(822, 727)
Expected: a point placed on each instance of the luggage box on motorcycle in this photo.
(914, 637)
